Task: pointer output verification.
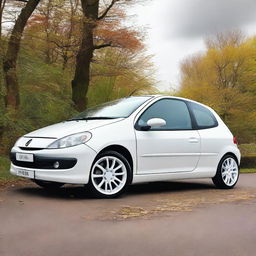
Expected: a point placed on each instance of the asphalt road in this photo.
(174, 218)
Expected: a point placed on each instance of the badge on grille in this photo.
(28, 142)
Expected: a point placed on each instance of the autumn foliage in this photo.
(47, 59)
(224, 77)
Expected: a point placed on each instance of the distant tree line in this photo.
(224, 77)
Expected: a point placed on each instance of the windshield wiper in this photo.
(92, 118)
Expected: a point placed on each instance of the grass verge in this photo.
(252, 170)
(4, 171)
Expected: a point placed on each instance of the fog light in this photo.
(56, 165)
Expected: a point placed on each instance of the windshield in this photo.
(120, 108)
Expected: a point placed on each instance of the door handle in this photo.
(193, 140)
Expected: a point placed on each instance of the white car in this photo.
(130, 140)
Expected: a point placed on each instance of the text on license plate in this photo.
(24, 157)
(26, 173)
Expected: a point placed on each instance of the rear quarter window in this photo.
(204, 117)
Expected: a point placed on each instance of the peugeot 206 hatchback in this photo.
(127, 141)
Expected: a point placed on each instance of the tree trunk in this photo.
(10, 59)
(81, 79)
(49, 7)
(2, 5)
(73, 10)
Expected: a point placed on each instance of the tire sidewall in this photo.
(218, 179)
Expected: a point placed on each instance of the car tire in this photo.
(49, 185)
(227, 172)
(110, 175)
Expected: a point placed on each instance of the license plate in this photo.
(24, 157)
(25, 173)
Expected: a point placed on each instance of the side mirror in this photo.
(153, 123)
(156, 122)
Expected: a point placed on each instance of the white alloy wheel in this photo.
(109, 175)
(229, 171)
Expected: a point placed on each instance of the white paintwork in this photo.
(167, 151)
(156, 155)
(79, 174)
(63, 129)
(156, 122)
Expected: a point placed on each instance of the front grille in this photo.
(42, 162)
(30, 149)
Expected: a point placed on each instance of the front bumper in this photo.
(75, 164)
(45, 162)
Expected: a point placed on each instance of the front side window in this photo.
(203, 116)
(174, 112)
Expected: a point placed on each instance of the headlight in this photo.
(71, 140)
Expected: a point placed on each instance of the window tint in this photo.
(204, 117)
(174, 112)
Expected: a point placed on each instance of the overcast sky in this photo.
(177, 28)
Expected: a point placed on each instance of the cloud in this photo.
(197, 18)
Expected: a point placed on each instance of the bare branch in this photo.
(103, 15)
(24, 1)
(63, 45)
(96, 47)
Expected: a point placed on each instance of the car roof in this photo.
(179, 98)
(169, 96)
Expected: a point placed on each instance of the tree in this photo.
(2, 5)
(58, 31)
(10, 59)
(47, 54)
(91, 18)
(117, 72)
(57, 23)
(224, 78)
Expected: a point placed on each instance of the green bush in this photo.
(247, 149)
(248, 161)
(45, 99)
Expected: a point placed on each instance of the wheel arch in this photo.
(232, 154)
(122, 150)
(230, 150)
(223, 155)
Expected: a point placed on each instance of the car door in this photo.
(213, 137)
(174, 147)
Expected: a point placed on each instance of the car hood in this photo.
(60, 130)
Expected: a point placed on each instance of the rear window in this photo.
(203, 116)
